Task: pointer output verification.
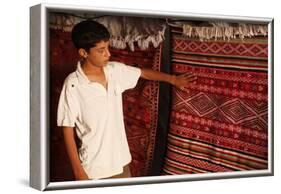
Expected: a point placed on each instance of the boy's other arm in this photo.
(79, 173)
(179, 81)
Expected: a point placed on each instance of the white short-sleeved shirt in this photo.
(97, 115)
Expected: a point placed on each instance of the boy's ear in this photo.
(83, 53)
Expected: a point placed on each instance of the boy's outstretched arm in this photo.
(179, 81)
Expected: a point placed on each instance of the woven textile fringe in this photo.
(222, 30)
(143, 41)
(124, 31)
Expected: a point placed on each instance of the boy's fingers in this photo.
(187, 74)
(182, 88)
(191, 78)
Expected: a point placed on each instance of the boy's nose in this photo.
(108, 53)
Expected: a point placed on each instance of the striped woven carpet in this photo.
(220, 123)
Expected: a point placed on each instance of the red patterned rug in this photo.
(140, 105)
(219, 124)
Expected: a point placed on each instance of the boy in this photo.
(91, 104)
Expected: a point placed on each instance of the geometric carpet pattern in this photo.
(140, 107)
(219, 123)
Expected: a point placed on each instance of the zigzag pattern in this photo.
(221, 48)
(220, 123)
(221, 108)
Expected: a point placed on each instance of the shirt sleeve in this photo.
(128, 76)
(67, 108)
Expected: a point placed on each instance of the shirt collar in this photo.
(82, 78)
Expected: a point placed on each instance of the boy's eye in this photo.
(101, 51)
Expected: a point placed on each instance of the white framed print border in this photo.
(39, 98)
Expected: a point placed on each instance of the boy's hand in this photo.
(183, 80)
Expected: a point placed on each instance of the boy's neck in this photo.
(91, 69)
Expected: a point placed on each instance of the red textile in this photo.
(140, 107)
(219, 124)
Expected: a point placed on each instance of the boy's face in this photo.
(99, 55)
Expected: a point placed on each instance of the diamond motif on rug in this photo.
(236, 111)
(202, 104)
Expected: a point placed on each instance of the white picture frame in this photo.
(39, 100)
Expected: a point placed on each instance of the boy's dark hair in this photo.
(87, 34)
